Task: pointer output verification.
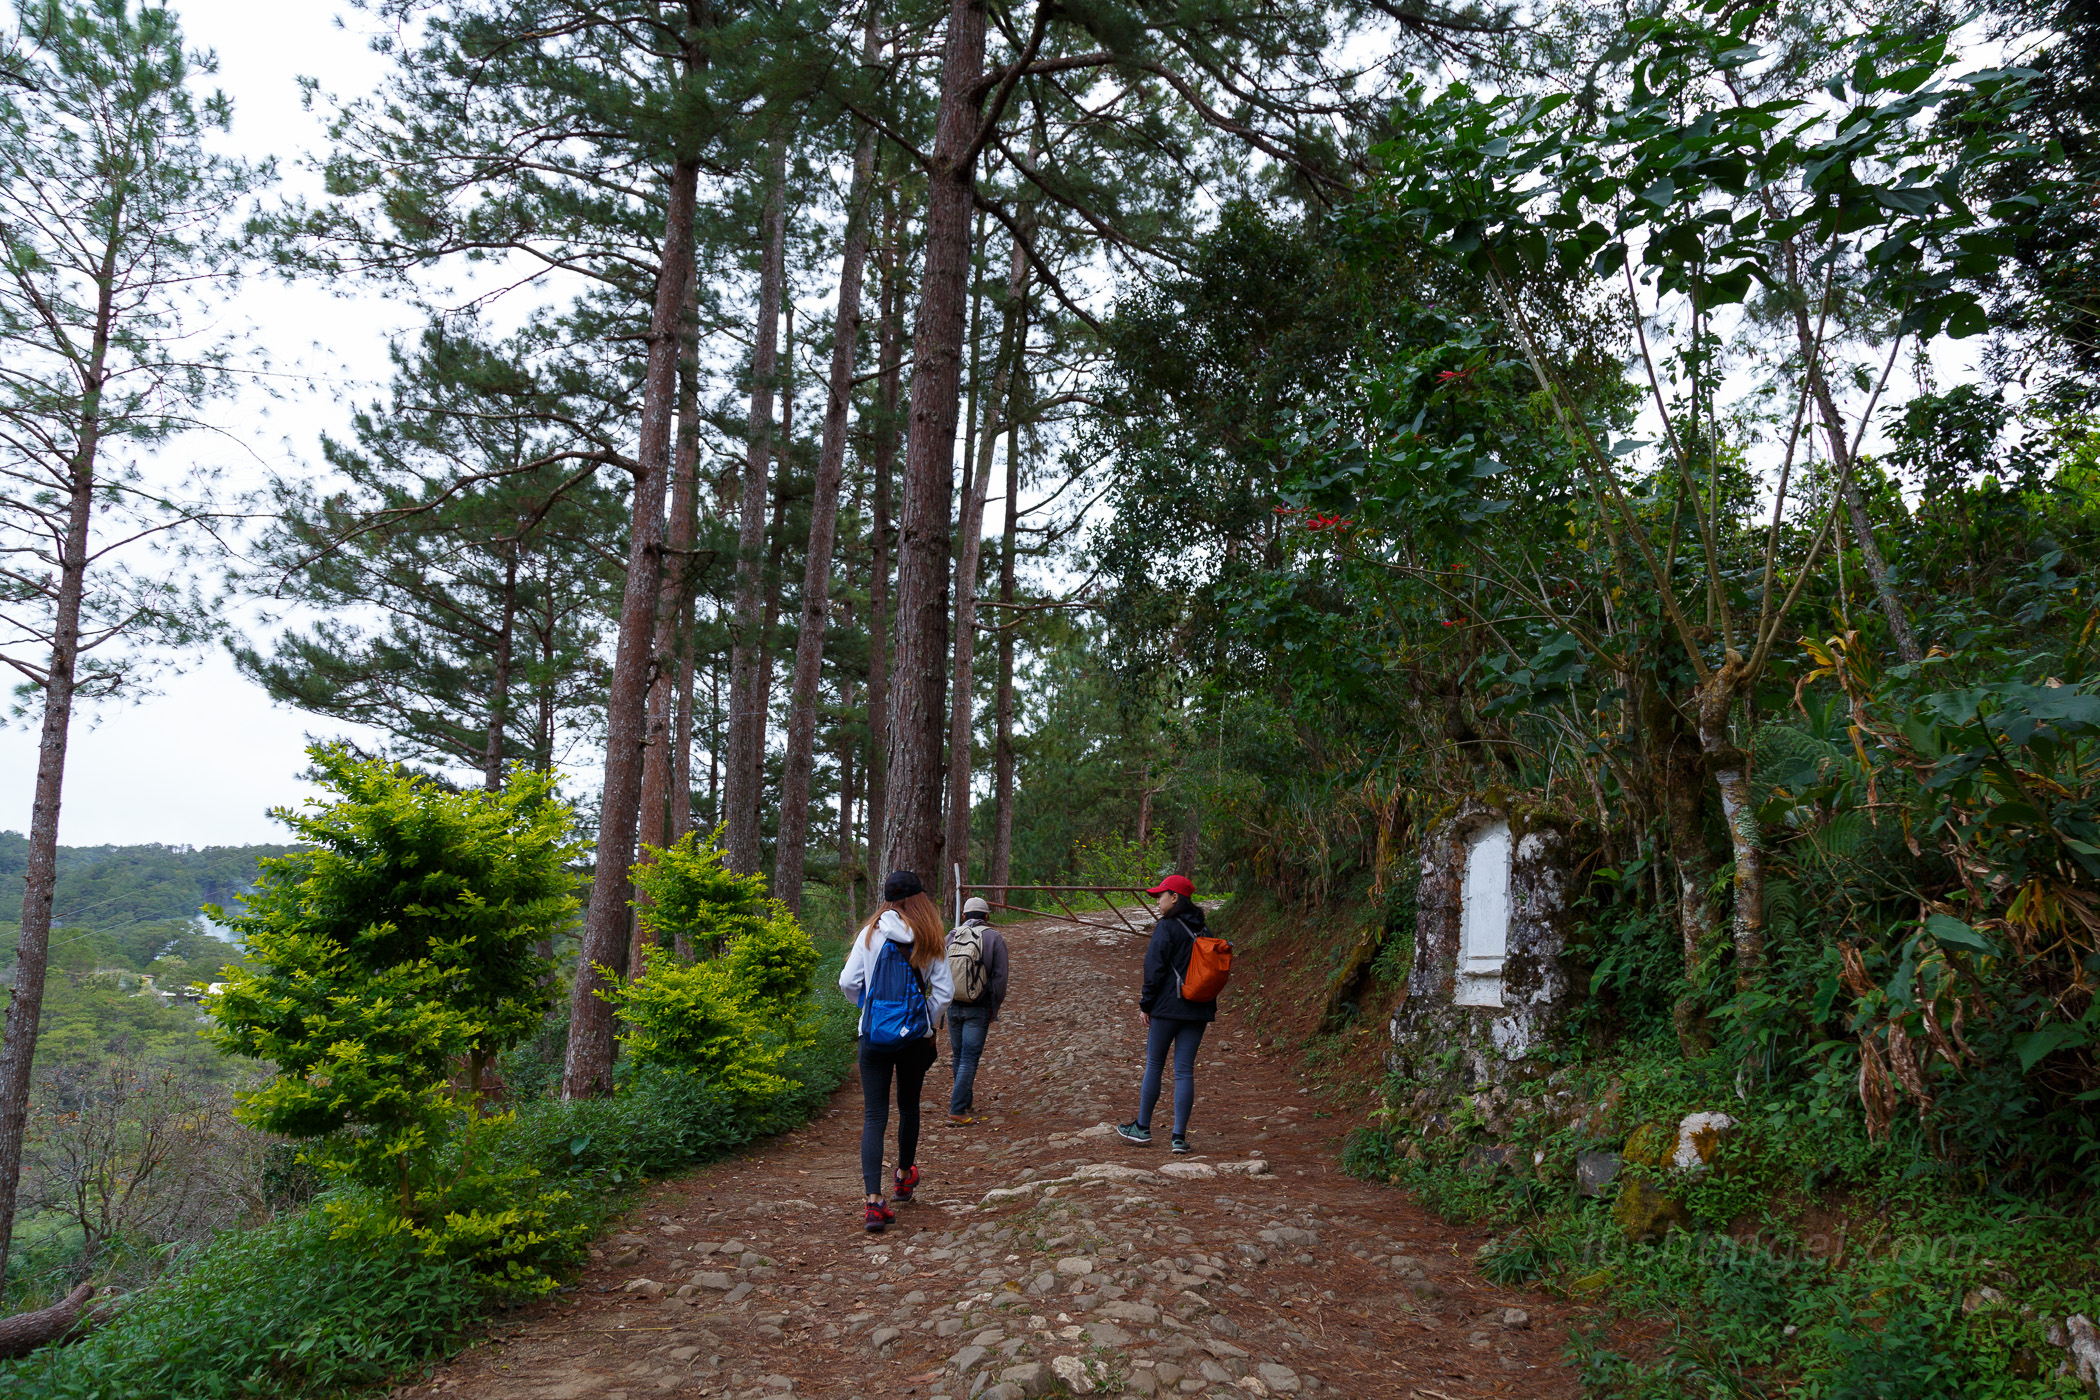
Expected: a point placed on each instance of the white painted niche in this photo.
(1483, 938)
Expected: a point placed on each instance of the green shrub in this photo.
(398, 946)
(275, 1312)
(695, 1019)
(335, 1298)
(693, 901)
(770, 963)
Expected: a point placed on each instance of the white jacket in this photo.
(860, 961)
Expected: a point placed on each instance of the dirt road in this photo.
(1044, 1255)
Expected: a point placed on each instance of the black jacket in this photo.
(1173, 939)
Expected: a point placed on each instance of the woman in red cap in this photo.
(1170, 1020)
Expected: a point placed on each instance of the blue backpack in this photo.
(897, 1009)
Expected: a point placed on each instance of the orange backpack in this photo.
(1209, 969)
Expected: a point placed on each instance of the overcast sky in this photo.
(202, 762)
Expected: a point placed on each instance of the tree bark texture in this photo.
(912, 824)
(688, 465)
(25, 1007)
(776, 553)
(25, 1332)
(1730, 767)
(544, 684)
(792, 838)
(962, 716)
(743, 761)
(1191, 836)
(884, 452)
(587, 1071)
(1003, 698)
(499, 690)
(768, 631)
(1677, 769)
(659, 765)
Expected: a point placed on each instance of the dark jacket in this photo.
(994, 965)
(1173, 939)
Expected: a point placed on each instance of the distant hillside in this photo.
(107, 885)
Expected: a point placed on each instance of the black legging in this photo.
(909, 1062)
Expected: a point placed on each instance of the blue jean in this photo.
(1184, 1036)
(967, 1028)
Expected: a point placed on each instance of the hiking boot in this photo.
(905, 1182)
(961, 1120)
(1181, 1144)
(880, 1217)
(1133, 1132)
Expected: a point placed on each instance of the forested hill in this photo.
(108, 885)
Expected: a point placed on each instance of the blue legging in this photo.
(1184, 1036)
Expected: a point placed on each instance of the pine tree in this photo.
(112, 225)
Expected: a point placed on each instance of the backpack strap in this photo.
(1181, 973)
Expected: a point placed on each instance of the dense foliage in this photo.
(295, 1308)
(404, 938)
(1390, 407)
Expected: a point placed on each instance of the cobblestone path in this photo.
(1044, 1255)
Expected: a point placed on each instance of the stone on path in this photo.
(1043, 1256)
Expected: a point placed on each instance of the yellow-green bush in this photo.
(697, 1019)
(771, 963)
(691, 899)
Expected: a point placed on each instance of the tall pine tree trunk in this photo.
(776, 552)
(885, 454)
(768, 631)
(499, 689)
(688, 459)
(587, 1071)
(793, 833)
(1003, 697)
(681, 765)
(744, 759)
(659, 764)
(962, 705)
(545, 684)
(911, 835)
(714, 739)
(25, 1006)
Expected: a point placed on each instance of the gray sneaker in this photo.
(1181, 1145)
(1133, 1132)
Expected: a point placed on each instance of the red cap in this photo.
(1175, 884)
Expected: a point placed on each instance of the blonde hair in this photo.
(929, 936)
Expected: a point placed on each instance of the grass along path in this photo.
(1044, 1254)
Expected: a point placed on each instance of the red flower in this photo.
(1446, 376)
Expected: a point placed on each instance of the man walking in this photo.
(977, 964)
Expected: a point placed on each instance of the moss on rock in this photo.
(1650, 1146)
(1644, 1212)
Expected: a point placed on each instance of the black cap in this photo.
(901, 884)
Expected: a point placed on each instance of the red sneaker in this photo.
(907, 1181)
(880, 1217)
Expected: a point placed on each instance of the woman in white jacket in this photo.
(897, 974)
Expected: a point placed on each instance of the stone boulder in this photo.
(1644, 1211)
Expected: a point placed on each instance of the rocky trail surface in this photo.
(1044, 1255)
